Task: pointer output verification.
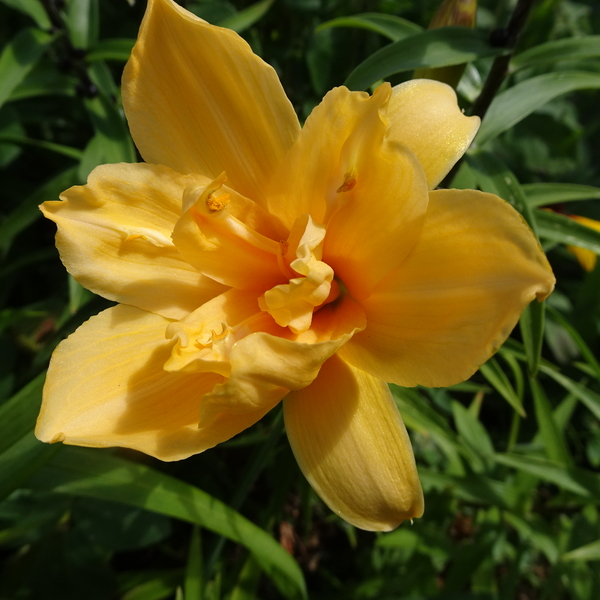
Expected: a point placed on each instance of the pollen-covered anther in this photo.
(215, 203)
(349, 183)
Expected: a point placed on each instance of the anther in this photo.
(349, 183)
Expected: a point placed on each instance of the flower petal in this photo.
(265, 365)
(198, 100)
(106, 387)
(377, 222)
(114, 237)
(343, 129)
(351, 444)
(221, 246)
(425, 116)
(457, 296)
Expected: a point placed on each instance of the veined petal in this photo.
(106, 387)
(221, 246)
(114, 237)
(425, 116)
(351, 444)
(376, 222)
(456, 297)
(198, 100)
(309, 178)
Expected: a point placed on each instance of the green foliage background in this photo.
(509, 460)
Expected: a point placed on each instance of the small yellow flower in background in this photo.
(587, 258)
(255, 261)
(451, 13)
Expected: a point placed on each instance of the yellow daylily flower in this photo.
(587, 258)
(255, 262)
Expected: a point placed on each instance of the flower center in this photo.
(311, 283)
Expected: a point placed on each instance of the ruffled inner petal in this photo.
(114, 237)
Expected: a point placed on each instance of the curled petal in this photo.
(425, 116)
(198, 100)
(351, 444)
(308, 179)
(106, 387)
(456, 297)
(114, 237)
(222, 247)
(265, 365)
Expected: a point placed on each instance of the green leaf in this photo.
(578, 481)
(585, 350)
(154, 586)
(493, 175)
(390, 26)
(22, 460)
(111, 49)
(432, 48)
(194, 575)
(492, 371)
(97, 474)
(559, 228)
(27, 212)
(34, 9)
(589, 398)
(248, 580)
(542, 194)
(587, 552)
(552, 436)
(18, 414)
(576, 48)
(513, 105)
(531, 324)
(473, 433)
(83, 20)
(19, 57)
(112, 142)
(247, 17)
(73, 153)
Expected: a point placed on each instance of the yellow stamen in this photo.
(217, 203)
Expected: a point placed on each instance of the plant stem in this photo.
(499, 70)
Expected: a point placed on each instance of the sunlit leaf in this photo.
(577, 48)
(543, 194)
(552, 437)
(560, 228)
(245, 18)
(19, 57)
(433, 48)
(513, 105)
(111, 49)
(96, 474)
(393, 27)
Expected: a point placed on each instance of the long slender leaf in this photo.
(578, 481)
(543, 194)
(558, 228)
(513, 105)
(247, 17)
(492, 371)
(34, 9)
(552, 437)
(111, 49)
(100, 475)
(587, 552)
(19, 57)
(432, 48)
(390, 26)
(576, 48)
(588, 397)
(585, 350)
